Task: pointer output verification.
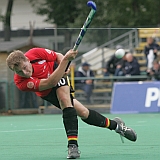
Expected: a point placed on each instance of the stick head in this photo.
(91, 4)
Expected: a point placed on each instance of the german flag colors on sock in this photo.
(71, 138)
(107, 122)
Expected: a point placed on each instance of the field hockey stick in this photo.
(84, 28)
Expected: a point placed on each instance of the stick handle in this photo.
(84, 28)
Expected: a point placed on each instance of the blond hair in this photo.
(15, 58)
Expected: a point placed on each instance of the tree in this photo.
(131, 13)
(62, 13)
(7, 20)
(110, 13)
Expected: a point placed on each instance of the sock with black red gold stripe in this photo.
(99, 120)
(71, 125)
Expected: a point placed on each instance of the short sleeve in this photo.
(30, 84)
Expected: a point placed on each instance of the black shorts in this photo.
(52, 96)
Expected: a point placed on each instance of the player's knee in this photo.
(84, 113)
(64, 100)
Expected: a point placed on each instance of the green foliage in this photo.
(117, 13)
(110, 14)
(60, 12)
(133, 13)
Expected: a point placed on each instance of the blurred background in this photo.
(55, 25)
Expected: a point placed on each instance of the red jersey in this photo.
(42, 61)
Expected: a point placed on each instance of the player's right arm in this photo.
(55, 77)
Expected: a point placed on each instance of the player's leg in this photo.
(92, 117)
(69, 114)
(60, 98)
(70, 120)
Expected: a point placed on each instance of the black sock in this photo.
(99, 120)
(71, 125)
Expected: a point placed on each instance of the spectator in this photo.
(150, 51)
(154, 72)
(88, 84)
(112, 63)
(120, 66)
(130, 66)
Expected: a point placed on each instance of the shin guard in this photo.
(99, 120)
(95, 119)
(70, 122)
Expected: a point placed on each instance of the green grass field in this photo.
(42, 137)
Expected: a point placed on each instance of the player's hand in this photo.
(70, 55)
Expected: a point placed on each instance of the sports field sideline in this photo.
(42, 137)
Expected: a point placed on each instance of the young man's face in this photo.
(24, 69)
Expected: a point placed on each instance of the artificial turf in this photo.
(42, 137)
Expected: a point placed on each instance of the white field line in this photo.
(29, 130)
(47, 129)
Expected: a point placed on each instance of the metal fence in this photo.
(13, 99)
(64, 38)
(61, 39)
(22, 100)
(4, 98)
